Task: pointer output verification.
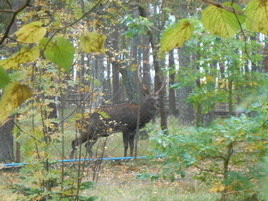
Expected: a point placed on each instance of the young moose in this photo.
(118, 118)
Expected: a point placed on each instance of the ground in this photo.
(121, 180)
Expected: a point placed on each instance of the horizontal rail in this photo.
(9, 165)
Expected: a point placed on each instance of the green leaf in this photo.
(60, 51)
(175, 37)
(31, 33)
(221, 22)
(4, 78)
(257, 16)
(93, 42)
(87, 185)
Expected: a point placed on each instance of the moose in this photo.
(118, 118)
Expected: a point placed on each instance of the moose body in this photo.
(118, 118)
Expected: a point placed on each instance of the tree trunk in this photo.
(265, 59)
(186, 109)
(154, 39)
(145, 62)
(115, 70)
(172, 95)
(7, 142)
(158, 79)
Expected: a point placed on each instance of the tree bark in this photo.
(7, 141)
(172, 95)
(145, 62)
(115, 70)
(186, 109)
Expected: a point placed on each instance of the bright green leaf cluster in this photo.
(226, 143)
(60, 51)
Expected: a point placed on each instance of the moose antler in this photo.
(147, 90)
(143, 85)
(162, 86)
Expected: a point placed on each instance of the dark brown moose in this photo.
(118, 118)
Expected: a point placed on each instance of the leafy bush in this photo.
(224, 155)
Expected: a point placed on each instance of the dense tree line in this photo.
(60, 58)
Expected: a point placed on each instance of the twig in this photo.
(7, 11)
(219, 5)
(13, 19)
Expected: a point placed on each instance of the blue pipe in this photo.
(75, 160)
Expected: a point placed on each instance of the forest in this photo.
(179, 88)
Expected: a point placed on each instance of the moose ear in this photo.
(143, 85)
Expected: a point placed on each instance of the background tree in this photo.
(59, 50)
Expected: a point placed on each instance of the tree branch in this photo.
(7, 11)
(76, 21)
(219, 5)
(13, 19)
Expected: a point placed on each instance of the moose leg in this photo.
(131, 143)
(126, 140)
(75, 143)
(90, 144)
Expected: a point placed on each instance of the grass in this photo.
(118, 180)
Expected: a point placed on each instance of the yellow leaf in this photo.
(210, 79)
(175, 37)
(220, 140)
(223, 84)
(14, 95)
(257, 16)
(250, 148)
(93, 42)
(103, 114)
(23, 56)
(218, 187)
(199, 157)
(31, 33)
(222, 22)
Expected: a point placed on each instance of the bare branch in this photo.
(219, 5)
(13, 19)
(7, 11)
(76, 21)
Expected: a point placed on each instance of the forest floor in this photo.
(131, 180)
(138, 179)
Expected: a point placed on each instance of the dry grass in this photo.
(119, 182)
